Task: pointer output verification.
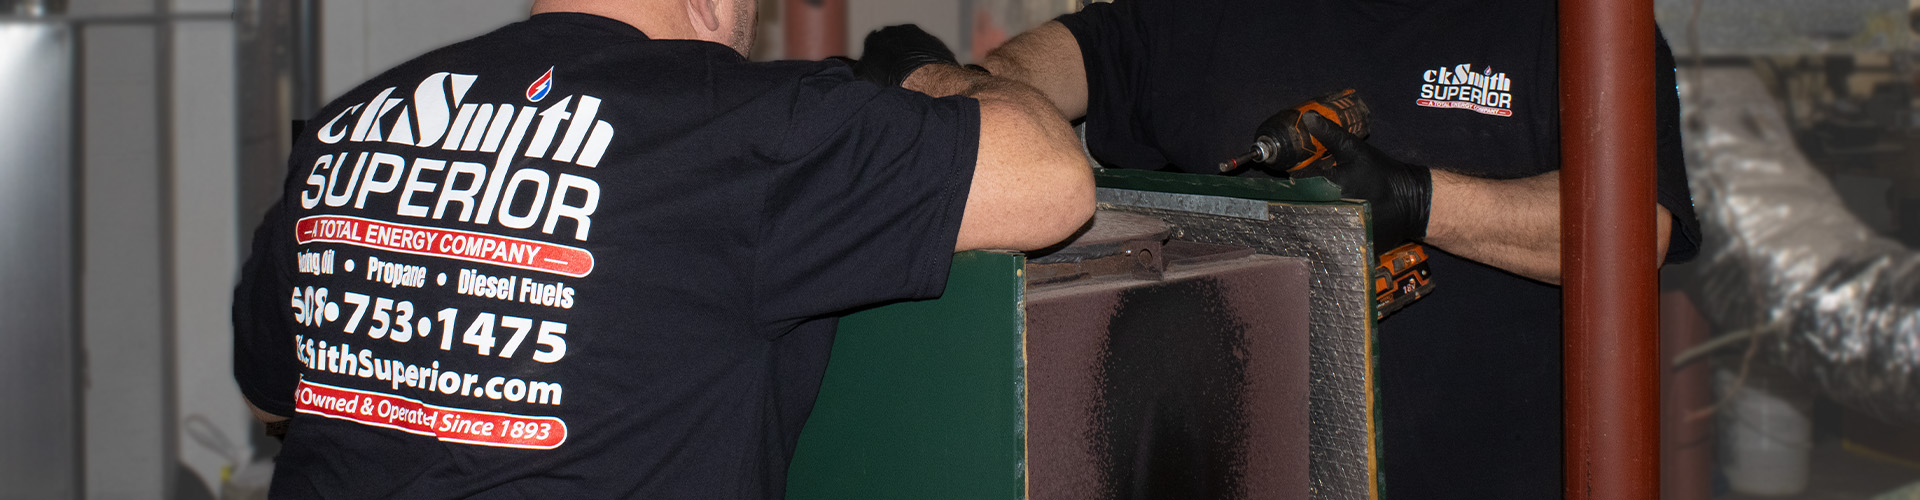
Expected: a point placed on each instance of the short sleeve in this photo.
(1115, 47)
(263, 349)
(1684, 241)
(869, 208)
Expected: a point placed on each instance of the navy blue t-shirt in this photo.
(563, 260)
(1469, 376)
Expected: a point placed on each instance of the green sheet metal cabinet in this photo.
(1218, 377)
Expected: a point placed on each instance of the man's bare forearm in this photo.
(1510, 224)
(1047, 58)
(941, 80)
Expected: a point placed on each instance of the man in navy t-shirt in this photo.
(599, 254)
(1463, 155)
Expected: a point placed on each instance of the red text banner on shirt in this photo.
(1485, 110)
(435, 242)
(455, 425)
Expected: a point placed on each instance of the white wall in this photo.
(206, 246)
(361, 38)
(159, 246)
(951, 20)
(122, 294)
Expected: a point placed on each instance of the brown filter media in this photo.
(1194, 385)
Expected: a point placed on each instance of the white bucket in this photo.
(1766, 435)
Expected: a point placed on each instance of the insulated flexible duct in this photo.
(1835, 304)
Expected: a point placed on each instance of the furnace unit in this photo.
(1207, 337)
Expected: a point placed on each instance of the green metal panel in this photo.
(925, 400)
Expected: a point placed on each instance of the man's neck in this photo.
(659, 19)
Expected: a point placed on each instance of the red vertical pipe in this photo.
(815, 29)
(1611, 349)
(1686, 441)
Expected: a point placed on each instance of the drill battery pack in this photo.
(1401, 277)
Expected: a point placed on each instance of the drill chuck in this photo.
(1264, 150)
(1283, 143)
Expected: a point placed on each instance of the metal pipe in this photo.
(39, 270)
(1686, 450)
(270, 95)
(1611, 349)
(815, 29)
(305, 77)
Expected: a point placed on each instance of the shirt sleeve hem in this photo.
(936, 263)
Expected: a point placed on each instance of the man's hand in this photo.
(893, 52)
(1401, 193)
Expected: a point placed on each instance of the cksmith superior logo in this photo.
(535, 179)
(1461, 87)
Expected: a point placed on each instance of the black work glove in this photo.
(894, 52)
(1401, 193)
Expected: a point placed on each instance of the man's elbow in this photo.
(1033, 186)
(1662, 234)
(1030, 212)
(1061, 213)
(1073, 208)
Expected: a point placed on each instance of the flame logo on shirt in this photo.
(541, 87)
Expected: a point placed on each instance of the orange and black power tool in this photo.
(1401, 276)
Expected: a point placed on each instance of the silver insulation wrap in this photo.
(1786, 27)
(1333, 239)
(1838, 305)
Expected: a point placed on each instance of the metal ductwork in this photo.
(1835, 303)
